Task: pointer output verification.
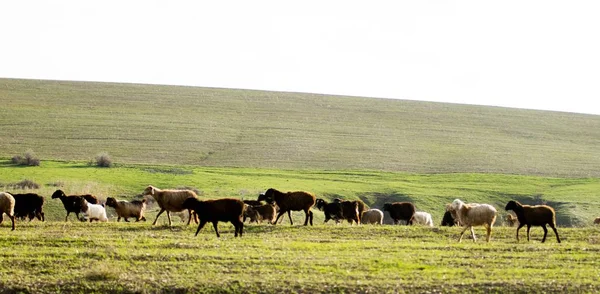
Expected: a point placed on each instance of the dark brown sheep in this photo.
(73, 203)
(400, 211)
(536, 215)
(291, 201)
(362, 207)
(29, 205)
(126, 209)
(252, 212)
(597, 221)
(218, 210)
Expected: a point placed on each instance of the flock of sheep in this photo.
(274, 207)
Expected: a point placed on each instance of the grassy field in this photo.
(111, 257)
(240, 128)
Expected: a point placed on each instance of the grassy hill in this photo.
(240, 128)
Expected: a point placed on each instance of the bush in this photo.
(103, 160)
(29, 159)
(24, 184)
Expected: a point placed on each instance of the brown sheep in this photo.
(400, 211)
(126, 209)
(7, 205)
(265, 212)
(219, 210)
(536, 215)
(511, 220)
(291, 201)
(169, 201)
(362, 207)
(597, 221)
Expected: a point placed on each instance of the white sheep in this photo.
(372, 216)
(7, 205)
(422, 218)
(474, 215)
(170, 201)
(94, 211)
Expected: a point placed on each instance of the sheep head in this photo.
(320, 204)
(58, 194)
(387, 207)
(150, 190)
(512, 205)
(457, 204)
(267, 196)
(111, 202)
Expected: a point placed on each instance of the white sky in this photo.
(526, 54)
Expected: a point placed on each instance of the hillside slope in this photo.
(224, 127)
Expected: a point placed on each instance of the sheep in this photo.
(400, 211)
(126, 209)
(448, 220)
(331, 210)
(510, 219)
(72, 203)
(224, 210)
(536, 215)
(7, 205)
(372, 216)
(362, 207)
(291, 201)
(250, 212)
(423, 218)
(169, 200)
(247, 213)
(29, 205)
(93, 211)
(264, 212)
(470, 215)
(597, 221)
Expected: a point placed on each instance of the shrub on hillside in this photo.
(103, 160)
(29, 159)
(24, 184)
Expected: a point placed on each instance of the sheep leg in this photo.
(306, 217)
(200, 226)
(239, 227)
(545, 233)
(489, 232)
(311, 218)
(473, 234)
(118, 218)
(281, 212)
(169, 218)
(217, 229)
(555, 232)
(125, 219)
(518, 228)
(528, 227)
(12, 218)
(67, 217)
(159, 213)
(462, 233)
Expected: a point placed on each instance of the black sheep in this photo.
(29, 205)
(448, 220)
(400, 211)
(215, 211)
(74, 203)
(331, 210)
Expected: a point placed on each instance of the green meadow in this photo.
(238, 143)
